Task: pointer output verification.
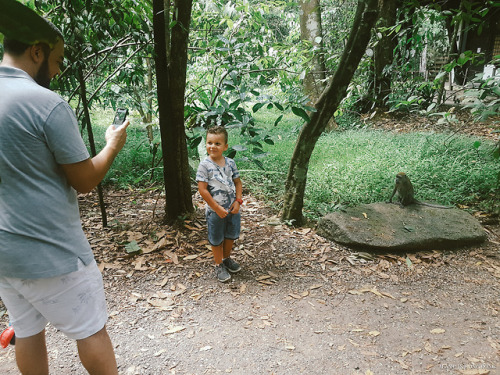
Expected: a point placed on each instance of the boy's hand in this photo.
(235, 208)
(221, 211)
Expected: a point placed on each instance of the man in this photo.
(47, 269)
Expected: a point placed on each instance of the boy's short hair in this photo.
(218, 130)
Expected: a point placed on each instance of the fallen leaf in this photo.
(191, 257)
(132, 247)
(264, 277)
(438, 331)
(174, 330)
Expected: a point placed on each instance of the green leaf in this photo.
(409, 263)
(279, 106)
(269, 141)
(477, 144)
(257, 106)
(310, 109)
(301, 113)
(132, 247)
(239, 148)
(278, 120)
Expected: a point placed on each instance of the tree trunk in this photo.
(312, 31)
(326, 106)
(85, 105)
(171, 83)
(384, 52)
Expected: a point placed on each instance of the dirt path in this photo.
(301, 305)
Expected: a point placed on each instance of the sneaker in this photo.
(231, 265)
(221, 273)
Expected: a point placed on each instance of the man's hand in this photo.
(87, 174)
(117, 136)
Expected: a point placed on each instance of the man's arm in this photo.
(86, 175)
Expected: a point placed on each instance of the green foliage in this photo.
(358, 166)
(486, 97)
(136, 165)
(103, 40)
(347, 168)
(241, 44)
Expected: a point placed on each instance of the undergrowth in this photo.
(349, 166)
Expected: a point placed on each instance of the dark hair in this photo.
(218, 130)
(14, 47)
(17, 48)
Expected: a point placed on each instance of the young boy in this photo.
(220, 186)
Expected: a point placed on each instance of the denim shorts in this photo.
(219, 229)
(73, 303)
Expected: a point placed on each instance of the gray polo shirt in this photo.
(40, 229)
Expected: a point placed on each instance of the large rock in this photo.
(391, 227)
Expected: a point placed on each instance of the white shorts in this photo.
(73, 303)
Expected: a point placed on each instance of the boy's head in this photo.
(218, 130)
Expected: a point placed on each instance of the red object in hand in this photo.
(6, 337)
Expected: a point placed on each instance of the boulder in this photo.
(385, 226)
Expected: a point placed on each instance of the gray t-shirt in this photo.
(40, 229)
(220, 180)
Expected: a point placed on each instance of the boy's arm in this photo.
(205, 194)
(235, 207)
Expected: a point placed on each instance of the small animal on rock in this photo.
(406, 193)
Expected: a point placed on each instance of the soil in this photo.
(300, 305)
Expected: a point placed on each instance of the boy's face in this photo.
(216, 145)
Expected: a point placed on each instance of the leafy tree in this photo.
(327, 104)
(236, 66)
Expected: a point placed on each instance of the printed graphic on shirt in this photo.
(220, 180)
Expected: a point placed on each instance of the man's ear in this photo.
(36, 53)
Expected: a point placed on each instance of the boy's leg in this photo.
(31, 355)
(227, 247)
(97, 354)
(217, 251)
(220, 269)
(230, 264)
(231, 231)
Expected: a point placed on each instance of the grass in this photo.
(348, 167)
(356, 166)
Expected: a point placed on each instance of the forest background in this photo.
(272, 71)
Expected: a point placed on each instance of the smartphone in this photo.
(120, 116)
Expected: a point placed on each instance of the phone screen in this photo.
(120, 116)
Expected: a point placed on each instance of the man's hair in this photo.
(16, 48)
(218, 130)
